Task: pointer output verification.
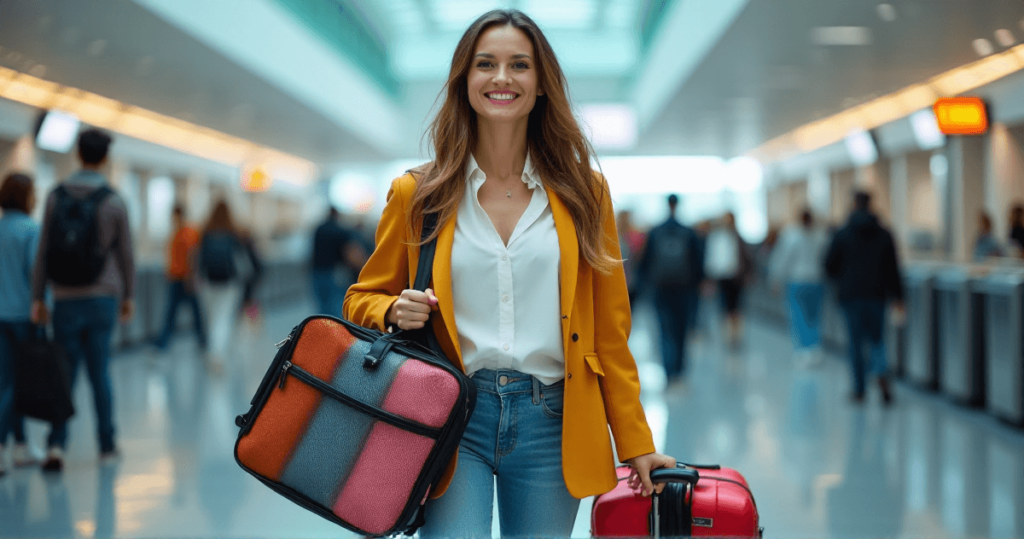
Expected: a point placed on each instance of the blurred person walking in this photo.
(727, 262)
(531, 299)
(181, 286)
(331, 268)
(631, 243)
(220, 250)
(863, 263)
(85, 255)
(986, 245)
(1017, 228)
(672, 267)
(19, 241)
(250, 306)
(796, 263)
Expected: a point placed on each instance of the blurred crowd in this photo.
(681, 269)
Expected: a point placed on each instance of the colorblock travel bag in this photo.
(357, 425)
(698, 501)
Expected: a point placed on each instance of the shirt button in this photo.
(504, 257)
(504, 299)
(502, 380)
(575, 337)
(505, 346)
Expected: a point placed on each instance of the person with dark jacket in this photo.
(672, 266)
(92, 281)
(335, 251)
(863, 264)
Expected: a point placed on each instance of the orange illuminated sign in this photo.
(961, 115)
(256, 180)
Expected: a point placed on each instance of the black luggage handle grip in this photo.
(675, 475)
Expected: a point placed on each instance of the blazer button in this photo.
(575, 337)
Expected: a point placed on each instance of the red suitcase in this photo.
(698, 501)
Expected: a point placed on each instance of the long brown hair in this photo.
(557, 146)
(220, 220)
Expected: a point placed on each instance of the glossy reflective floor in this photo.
(818, 466)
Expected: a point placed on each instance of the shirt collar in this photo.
(530, 176)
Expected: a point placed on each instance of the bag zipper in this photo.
(331, 391)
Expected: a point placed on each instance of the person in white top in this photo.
(727, 262)
(529, 286)
(797, 263)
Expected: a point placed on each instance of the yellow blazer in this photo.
(602, 387)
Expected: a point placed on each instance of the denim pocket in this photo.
(551, 402)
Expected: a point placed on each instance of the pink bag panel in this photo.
(383, 478)
(422, 393)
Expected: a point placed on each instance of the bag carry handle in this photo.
(424, 272)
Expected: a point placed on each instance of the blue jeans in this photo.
(176, 293)
(865, 320)
(674, 309)
(805, 313)
(84, 327)
(329, 296)
(9, 421)
(515, 434)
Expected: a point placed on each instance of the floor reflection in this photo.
(819, 466)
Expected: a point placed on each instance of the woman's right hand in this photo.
(412, 310)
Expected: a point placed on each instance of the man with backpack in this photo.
(672, 266)
(85, 255)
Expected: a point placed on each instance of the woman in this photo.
(528, 292)
(218, 251)
(797, 261)
(727, 262)
(19, 240)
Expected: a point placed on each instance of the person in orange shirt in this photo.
(528, 294)
(181, 284)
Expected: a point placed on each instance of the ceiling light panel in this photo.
(841, 35)
(457, 15)
(567, 14)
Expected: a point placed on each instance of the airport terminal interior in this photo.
(849, 176)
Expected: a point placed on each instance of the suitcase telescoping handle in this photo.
(675, 475)
(668, 475)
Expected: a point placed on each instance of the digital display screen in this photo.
(57, 131)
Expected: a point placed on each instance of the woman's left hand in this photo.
(642, 467)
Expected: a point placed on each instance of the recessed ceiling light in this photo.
(1005, 37)
(887, 12)
(983, 47)
(841, 35)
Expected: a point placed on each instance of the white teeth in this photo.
(502, 97)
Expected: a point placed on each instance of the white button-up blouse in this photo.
(506, 298)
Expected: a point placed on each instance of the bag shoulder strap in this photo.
(425, 266)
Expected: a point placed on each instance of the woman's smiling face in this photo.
(502, 80)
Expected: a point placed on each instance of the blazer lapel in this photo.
(569, 262)
(443, 282)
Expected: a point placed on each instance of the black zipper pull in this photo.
(284, 374)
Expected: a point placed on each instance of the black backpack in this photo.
(217, 257)
(671, 266)
(74, 255)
